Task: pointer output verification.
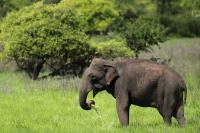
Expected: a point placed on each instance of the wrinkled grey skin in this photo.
(140, 82)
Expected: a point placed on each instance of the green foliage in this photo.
(137, 7)
(16, 4)
(111, 47)
(190, 5)
(43, 32)
(13, 5)
(186, 25)
(51, 1)
(52, 34)
(142, 34)
(39, 33)
(96, 14)
(2, 12)
(99, 16)
(181, 17)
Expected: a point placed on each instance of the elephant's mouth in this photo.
(97, 88)
(95, 91)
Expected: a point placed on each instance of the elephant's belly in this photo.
(143, 103)
(145, 100)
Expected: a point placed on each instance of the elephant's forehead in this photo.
(97, 60)
(97, 63)
(95, 70)
(96, 66)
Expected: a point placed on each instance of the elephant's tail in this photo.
(184, 88)
(185, 97)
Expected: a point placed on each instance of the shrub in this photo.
(11, 5)
(51, 1)
(39, 34)
(111, 48)
(3, 12)
(184, 25)
(97, 15)
(142, 34)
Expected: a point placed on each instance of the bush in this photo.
(142, 34)
(183, 25)
(11, 5)
(51, 1)
(3, 12)
(97, 15)
(111, 48)
(40, 34)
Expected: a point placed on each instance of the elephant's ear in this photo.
(111, 73)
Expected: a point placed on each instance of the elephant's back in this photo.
(147, 71)
(143, 66)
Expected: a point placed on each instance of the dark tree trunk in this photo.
(32, 68)
(37, 69)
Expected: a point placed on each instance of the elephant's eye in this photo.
(93, 77)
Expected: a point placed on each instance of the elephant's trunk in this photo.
(84, 90)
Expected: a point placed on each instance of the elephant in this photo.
(140, 82)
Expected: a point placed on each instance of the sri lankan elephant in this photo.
(136, 81)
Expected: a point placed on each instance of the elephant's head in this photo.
(97, 77)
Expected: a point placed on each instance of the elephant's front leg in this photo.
(123, 106)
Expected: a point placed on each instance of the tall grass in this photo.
(183, 53)
(51, 105)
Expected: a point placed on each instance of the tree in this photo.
(65, 36)
(51, 1)
(97, 15)
(142, 34)
(44, 34)
(13, 5)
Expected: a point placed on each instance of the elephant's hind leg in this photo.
(179, 113)
(180, 116)
(168, 109)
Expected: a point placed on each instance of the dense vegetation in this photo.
(52, 34)
(46, 34)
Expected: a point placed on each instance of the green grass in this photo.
(51, 105)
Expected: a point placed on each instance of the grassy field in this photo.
(51, 105)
